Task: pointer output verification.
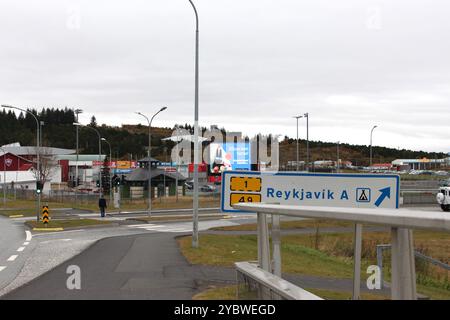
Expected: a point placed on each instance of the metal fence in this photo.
(417, 254)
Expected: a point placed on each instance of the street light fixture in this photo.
(150, 156)
(99, 152)
(38, 164)
(371, 134)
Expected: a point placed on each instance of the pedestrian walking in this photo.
(102, 206)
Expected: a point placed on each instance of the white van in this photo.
(443, 198)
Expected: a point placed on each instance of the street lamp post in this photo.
(110, 177)
(307, 140)
(4, 176)
(338, 167)
(99, 152)
(177, 159)
(38, 164)
(297, 117)
(196, 133)
(77, 112)
(306, 115)
(150, 156)
(371, 134)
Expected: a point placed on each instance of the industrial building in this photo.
(420, 164)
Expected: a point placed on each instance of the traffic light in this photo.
(115, 180)
(39, 187)
(97, 183)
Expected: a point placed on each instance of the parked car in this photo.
(207, 188)
(189, 185)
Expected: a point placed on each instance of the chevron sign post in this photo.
(45, 215)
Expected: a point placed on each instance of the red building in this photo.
(12, 162)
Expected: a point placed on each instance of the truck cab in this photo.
(443, 198)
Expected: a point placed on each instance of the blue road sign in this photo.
(310, 189)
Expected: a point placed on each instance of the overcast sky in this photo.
(351, 64)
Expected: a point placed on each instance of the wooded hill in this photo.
(130, 141)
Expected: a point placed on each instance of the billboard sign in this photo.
(229, 156)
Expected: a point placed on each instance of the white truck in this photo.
(443, 198)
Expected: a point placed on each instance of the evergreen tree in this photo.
(93, 122)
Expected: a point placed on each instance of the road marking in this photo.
(16, 216)
(26, 243)
(59, 233)
(29, 236)
(50, 241)
(12, 258)
(2, 268)
(20, 249)
(162, 228)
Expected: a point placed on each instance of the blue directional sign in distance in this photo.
(310, 189)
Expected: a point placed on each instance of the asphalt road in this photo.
(48, 250)
(147, 266)
(14, 249)
(125, 262)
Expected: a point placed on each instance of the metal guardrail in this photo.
(271, 286)
(400, 220)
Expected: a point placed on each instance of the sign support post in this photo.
(276, 243)
(45, 215)
(357, 243)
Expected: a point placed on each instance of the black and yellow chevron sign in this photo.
(45, 214)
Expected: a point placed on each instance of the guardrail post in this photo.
(380, 264)
(263, 243)
(357, 243)
(403, 266)
(276, 243)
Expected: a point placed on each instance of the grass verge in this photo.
(300, 224)
(65, 224)
(229, 293)
(127, 205)
(16, 213)
(333, 258)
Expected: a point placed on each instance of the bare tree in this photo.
(47, 165)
